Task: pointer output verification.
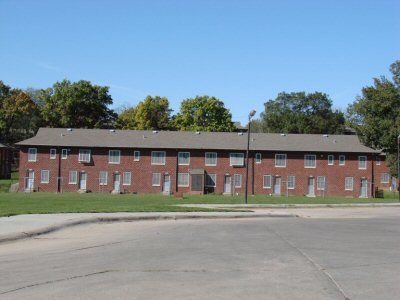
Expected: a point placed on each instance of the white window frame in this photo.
(270, 181)
(136, 155)
(163, 157)
(235, 181)
(331, 160)
(283, 157)
(210, 153)
(384, 180)
(318, 182)
(41, 176)
(32, 152)
(258, 158)
(346, 188)
(364, 161)
(294, 182)
(215, 180)
(236, 155)
(76, 177)
(378, 161)
(159, 179)
(342, 160)
(124, 177)
(53, 153)
(83, 153)
(110, 156)
(180, 184)
(180, 157)
(307, 156)
(106, 178)
(64, 153)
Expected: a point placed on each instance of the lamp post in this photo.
(398, 166)
(251, 114)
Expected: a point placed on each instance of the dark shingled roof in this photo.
(195, 140)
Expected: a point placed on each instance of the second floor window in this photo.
(32, 152)
(310, 161)
(331, 160)
(158, 157)
(184, 158)
(114, 156)
(136, 155)
(342, 160)
(211, 158)
(53, 153)
(64, 153)
(236, 159)
(84, 155)
(258, 158)
(362, 162)
(280, 160)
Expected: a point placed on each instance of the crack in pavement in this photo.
(313, 263)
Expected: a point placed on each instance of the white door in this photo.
(277, 185)
(117, 181)
(82, 180)
(30, 180)
(364, 188)
(311, 186)
(167, 184)
(227, 184)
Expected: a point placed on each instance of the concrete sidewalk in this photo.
(24, 226)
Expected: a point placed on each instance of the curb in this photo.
(239, 206)
(93, 220)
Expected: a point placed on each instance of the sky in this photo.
(243, 52)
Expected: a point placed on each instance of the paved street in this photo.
(272, 258)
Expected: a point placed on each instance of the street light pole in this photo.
(251, 114)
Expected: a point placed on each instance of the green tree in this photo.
(78, 105)
(153, 113)
(19, 115)
(375, 115)
(203, 113)
(299, 112)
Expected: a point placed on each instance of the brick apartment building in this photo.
(5, 161)
(98, 160)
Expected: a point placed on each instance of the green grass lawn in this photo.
(5, 183)
(41, 203)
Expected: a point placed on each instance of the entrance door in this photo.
(311, 186)
(277, 185)
(117, 182)
(364, 188)
(227, 184)
(167, 184)
(82, 181)
(30, 180)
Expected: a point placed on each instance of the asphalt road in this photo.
(275, 258)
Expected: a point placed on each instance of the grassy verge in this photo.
(42, 203)
(6, 183)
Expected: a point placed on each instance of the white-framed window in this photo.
(156, 179)
(136, 155)
(258, 158)
(103, 177)
(267, 181)
(64, 153)
(310, 161)
(385, 178)
(183, 158)
(321, 183)
(211, 180)
(291, 182)
(237, 180)
(114, 156)
(127, 178)
(378, 161)
(211, 158)
(158, 157)
(53, 153)
(183, 179)
(362, 162)
(84, 155)
(342, 160)
(45, 176)
(348, 183)
(331, 160)
(280, 160)
(73, 177)
(236, 159)
(32, 153)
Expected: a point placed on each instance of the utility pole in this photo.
(251, 114)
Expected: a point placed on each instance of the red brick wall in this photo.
(381, 167)
(142, 171)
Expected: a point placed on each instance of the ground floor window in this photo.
(267, 181)
(156, 180)
(349, 183)
(385, 178)
(103, 177)
(73, 177)
(183, 179)
(211, 180)
(127, 178)
(321, 182)
(45, 176)
(237, 178)
(291, 182)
